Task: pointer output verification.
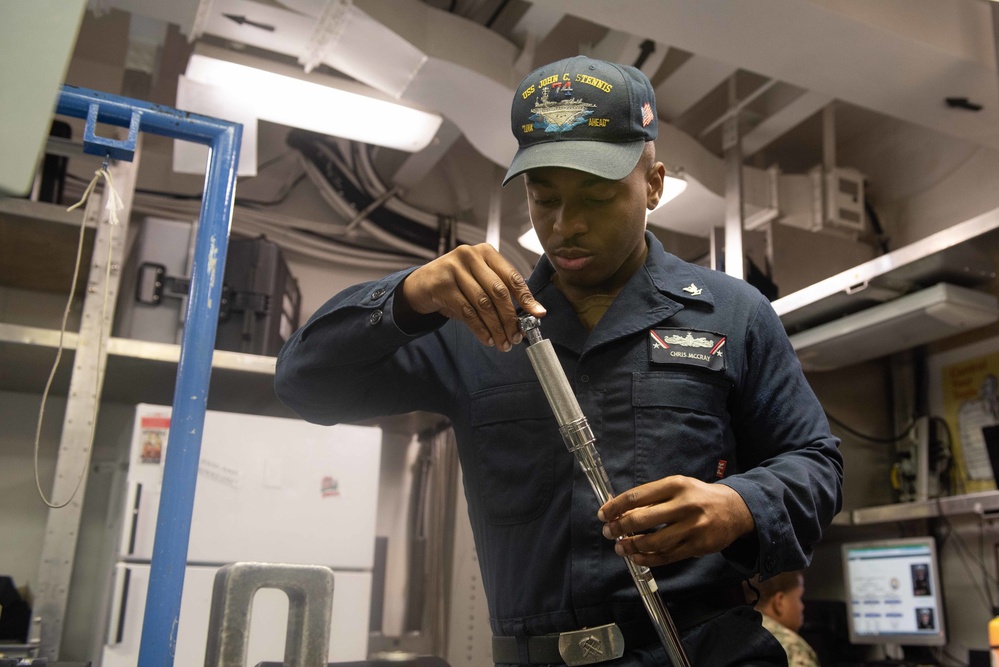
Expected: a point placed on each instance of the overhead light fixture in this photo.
(904, 323)
(320, 103)
(529, 240)
(674, 183)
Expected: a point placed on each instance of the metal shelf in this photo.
(25, 210)
(40, 243)
(137, 371)
(970, 503)
(962, 255)
(145, 372)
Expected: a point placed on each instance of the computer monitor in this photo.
(893, 592)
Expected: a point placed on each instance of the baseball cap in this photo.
(584, 114)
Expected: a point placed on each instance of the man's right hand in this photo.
(472, 284)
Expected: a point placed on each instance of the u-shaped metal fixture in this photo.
(310, 612)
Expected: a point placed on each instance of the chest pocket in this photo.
(681, 425)
(516, 437)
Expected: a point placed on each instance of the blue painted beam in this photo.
(180, 469)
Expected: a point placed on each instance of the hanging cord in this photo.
(114, 204)
(871, 438)
(968, 559)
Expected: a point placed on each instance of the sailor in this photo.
(722, 456)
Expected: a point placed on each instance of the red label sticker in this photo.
(155, 422)
(329, 487)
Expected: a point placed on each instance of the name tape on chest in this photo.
(686, 346)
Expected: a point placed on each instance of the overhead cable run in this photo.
(373, 228)
(350, 183)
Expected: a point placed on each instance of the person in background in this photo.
(784, 613)
(706, 425)
(921, 579)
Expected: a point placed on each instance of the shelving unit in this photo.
(133, 371)
(56, 245)
(137, 371)
(983, 502)
(961, 255)
(39, 250)
(38, 253)
(27, 211)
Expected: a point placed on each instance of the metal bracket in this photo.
(123, 149)
(854, 289)
(242, 302)
(153, 284)
(329, 26)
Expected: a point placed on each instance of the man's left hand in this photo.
(675, 518)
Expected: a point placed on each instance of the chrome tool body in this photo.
(579, 440)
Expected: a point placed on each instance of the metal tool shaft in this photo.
(579, 440)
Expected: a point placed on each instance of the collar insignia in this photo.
(693, 290)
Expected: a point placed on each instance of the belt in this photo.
(607, 642)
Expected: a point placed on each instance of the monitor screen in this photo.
(893, 592)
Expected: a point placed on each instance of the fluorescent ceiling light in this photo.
(530, 241)
(909, 321)
(674, 183)
(315, 102)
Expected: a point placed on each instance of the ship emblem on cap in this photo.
(563, 115)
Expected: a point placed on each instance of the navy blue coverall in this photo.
(689, 372)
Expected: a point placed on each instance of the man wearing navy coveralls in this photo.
(698, 404)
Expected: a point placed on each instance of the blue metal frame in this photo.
(180, 470)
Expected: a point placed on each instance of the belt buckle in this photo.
(591, 645)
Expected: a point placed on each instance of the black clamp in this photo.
(153, 285)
